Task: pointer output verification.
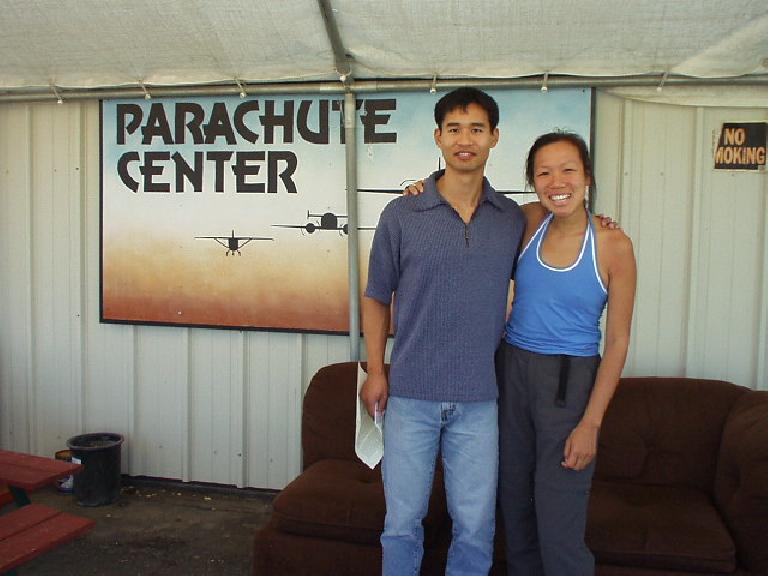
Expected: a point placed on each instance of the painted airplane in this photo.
(327, 221)
(232, 243)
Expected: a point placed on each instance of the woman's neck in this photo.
(574, 223)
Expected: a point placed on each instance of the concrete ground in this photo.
(159, 528)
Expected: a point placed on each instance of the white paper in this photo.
(369, 437)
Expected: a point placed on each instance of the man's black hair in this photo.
(462, 98)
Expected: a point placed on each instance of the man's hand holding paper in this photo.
(369, 438)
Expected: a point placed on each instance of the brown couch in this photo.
(681, 487)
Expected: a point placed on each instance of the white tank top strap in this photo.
(593, 247)
(539, 232)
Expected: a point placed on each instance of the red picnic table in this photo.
(24, 473)
(32, 529)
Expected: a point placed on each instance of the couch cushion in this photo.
(665, 431)
(344, 500)
(661, 527)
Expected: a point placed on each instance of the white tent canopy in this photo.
(97, 43)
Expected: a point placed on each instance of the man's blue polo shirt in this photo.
(451, 283)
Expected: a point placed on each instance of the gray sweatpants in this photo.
(544, 505)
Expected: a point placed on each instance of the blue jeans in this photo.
(467, 435)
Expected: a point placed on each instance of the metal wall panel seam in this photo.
(604, 162)
(48, 302)
(75, 263)
(245, 445)
(185, 381)
(244, 412)
(762, 333)
(297, 396)
(235, 428)
(731, 290)
(305, 361)
(85, 267)
(30, 369)
(305, 378)
(623, 208)
(268, 460)
(701, 314)
(660, 191)
(53, 304)
(61, 279)
(82, 256)
(6, 377)
(133, 379)
(692, 335)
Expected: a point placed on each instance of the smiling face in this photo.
(559, 177)
(465, 138)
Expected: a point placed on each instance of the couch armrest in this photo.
(741, 483)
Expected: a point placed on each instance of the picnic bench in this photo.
(32, 529)
(5, 495)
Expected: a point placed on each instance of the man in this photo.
(448, 255)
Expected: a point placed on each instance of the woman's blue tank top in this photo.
(557, 310)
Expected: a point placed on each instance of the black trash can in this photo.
(98, 481)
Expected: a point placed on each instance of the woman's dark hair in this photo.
(551, 138)
(462, 98)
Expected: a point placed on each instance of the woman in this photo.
(554, 389)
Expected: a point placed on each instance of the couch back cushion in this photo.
(741, 488)
(665, 431)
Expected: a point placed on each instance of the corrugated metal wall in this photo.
(699, 236)
(224, 406)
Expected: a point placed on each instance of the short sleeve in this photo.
(520, 223)
(384, 261)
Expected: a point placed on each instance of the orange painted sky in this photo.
(294, 282)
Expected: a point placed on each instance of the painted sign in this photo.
(741, 146)
(230, 212)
